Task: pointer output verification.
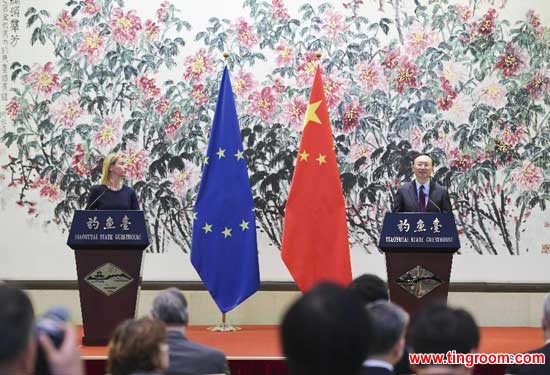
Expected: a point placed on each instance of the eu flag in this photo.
(223, 248)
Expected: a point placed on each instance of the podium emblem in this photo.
(418, 281)
(108, 279)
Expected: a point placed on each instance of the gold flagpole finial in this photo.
(318, 54)
(225, 55)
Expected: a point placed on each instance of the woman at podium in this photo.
(112, 193)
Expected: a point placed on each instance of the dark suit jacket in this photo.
(406, 199)
(371, 370)
(533, 369)
(190, 358)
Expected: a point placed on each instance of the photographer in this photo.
(19, 344)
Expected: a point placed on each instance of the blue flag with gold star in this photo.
(223, 248)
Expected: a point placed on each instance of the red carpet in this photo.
(255, 350)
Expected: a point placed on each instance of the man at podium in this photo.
(112, 193)
(422, 194)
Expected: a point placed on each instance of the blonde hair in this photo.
(107, 164)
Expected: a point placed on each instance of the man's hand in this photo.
(65, 360)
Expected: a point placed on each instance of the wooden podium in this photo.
(419, 250)
(108, 249)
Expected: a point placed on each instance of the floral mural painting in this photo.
(458, 81)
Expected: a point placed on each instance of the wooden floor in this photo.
(262, 342)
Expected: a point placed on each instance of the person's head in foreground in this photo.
(170, 307)
(387, 335)
(438, 328)
(370, 288)
(138, 346)
(325, 332)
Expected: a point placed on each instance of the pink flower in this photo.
(506, 139)
(78, 162)
(362, 149)
(151, 30)
(43, 79)
(418, 40)
(137, 162)
(464, 13)
(370, 76)
(243, 82)
(491, 92)
(263, 103)
(454, 72)
(199, 94)
(462, 161)
(162, 106)
(391, 59)
(539, 85)
(148, 87)
(534, 21)
(406, 75)
(48, 190)
(279, 11)
(162, 12)
(175, 122)
(91, 8)
(333, 25)
(66, 24)
(512, 62)
(285, 54)
(66, 111)
(294, 112)
(92, 46)
(417, 136)
(278, 85)
(306, 69)
(487, 25)
(245, 33)
(124, 26)
(459, 110)
(527, 175)
(185, 180)
(334, 89)
(13, 108)
(352, 113)
(198, 65)
(108, 133)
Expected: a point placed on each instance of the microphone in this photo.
(95, 200)
(436, 206)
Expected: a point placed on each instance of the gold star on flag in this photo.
(244, 225)
(193, 215)
(239, 155)
(322, 159)
(206, 159)
(311, 114)
(221, 153)
(226, 232)
(304, 155)
(207, 228)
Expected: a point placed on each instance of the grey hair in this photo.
(388, 323)
(170, 307)
(546, 309)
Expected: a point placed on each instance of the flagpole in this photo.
(224, 326)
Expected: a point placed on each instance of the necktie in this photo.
(421, 199)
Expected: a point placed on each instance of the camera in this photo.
(51, 323)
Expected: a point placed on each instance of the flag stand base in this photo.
(224, 326)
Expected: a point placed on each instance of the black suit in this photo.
(190, 358)
(543, 369)
(406, 199)
(372, 370)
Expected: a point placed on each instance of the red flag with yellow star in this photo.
(315, 234)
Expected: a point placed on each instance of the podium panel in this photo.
(108, 249)
(419, 251)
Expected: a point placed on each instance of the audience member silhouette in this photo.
(325, 332)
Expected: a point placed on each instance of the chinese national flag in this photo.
(315, 235)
